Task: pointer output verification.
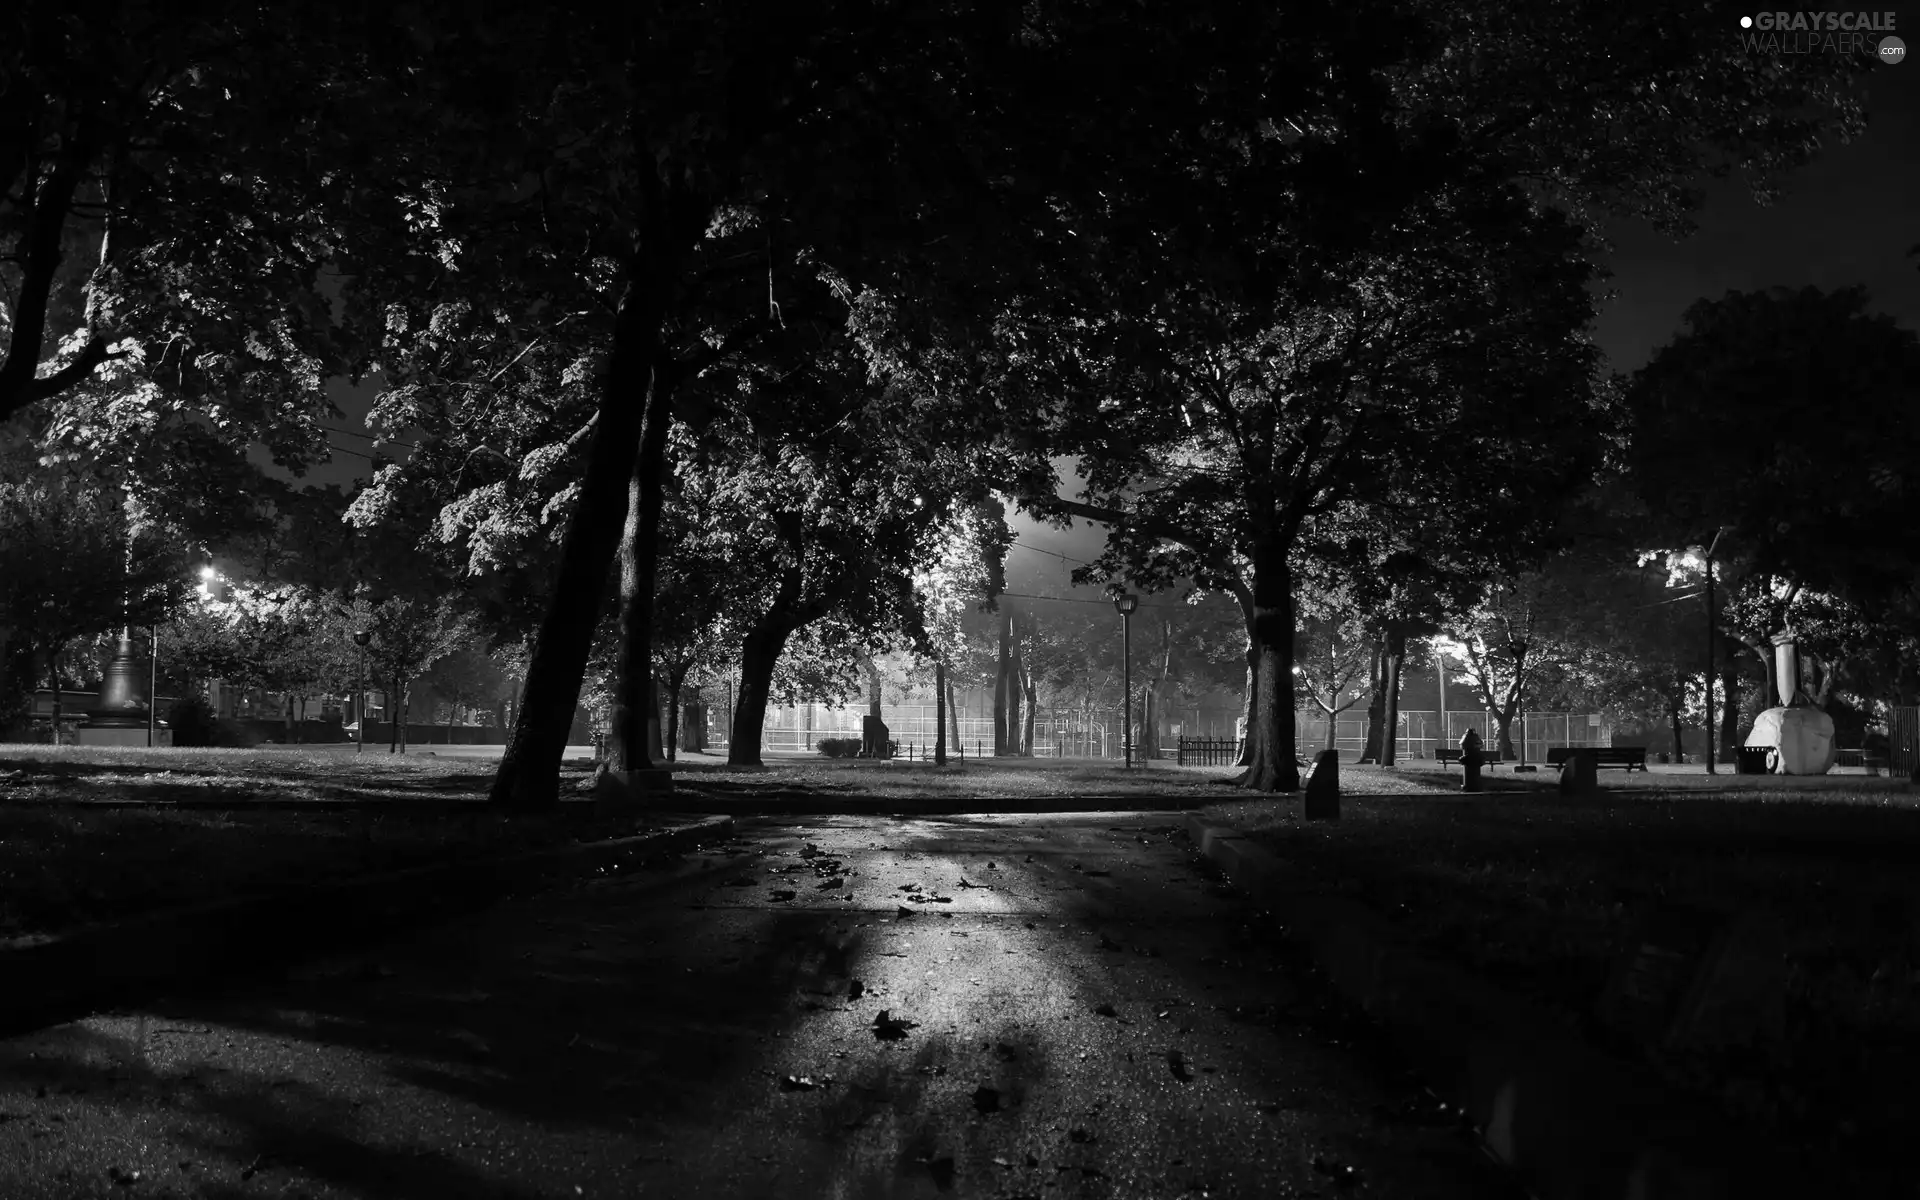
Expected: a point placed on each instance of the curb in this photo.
(132, 961)
(1571, 1123)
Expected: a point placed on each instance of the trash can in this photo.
(1752, 760)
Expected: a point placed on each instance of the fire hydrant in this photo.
(1470, 761)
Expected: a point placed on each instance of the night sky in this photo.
(1848, 218)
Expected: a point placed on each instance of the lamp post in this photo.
(360, 638)
(1124, 605)
(1709, 682)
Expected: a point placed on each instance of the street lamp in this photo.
(1124, 604)
(360, 638)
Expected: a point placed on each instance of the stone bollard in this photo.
(1323, 787)
(1580, 775)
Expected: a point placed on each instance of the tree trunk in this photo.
(1769, 694)
(1333, 730)
(939, 713)
(393, 714)
(1156, 697)
(953, 716)
(1003, 728)
(1396, 657)
(1729, 708)
(53, 677)
(529, 776)
(1376, 701)
(676, 679)
(636, 708)
(1027, 687)
(867, 746)
(1253, 691)
(406, 710)
(1275, 766)
(758, 654)
(1015, 669)
(1504, 715)
(1673, 714)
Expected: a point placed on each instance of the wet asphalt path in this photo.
(1056, 1006)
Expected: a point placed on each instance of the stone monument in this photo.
(119, 717)
(1580, 773)
(1800, 735)
(1323, 787)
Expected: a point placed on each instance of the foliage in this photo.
(1784, 417)
(192, 721)
(80, 560)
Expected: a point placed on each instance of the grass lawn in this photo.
(66, 864)
(77, 846)
(983, 778)
(1537, 893)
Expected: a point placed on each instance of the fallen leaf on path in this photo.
(889, 1029)
(801, 1083)
(1105, 1010)
(965, 884)
(782, 894)
(987, 1100)
(904, 911)
(856, 989)
(740, 882)
(1080, 1136)
(1177, 1063)
(831, 883)
(908, 887)
(1107, 943)
(809, 850)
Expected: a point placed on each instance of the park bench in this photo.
(1874, 761)
(1603, 756)
(1488, 758)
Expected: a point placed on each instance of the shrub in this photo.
(850, 747)
(237, 735)
(192, 721)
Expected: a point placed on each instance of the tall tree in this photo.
(1333, 273)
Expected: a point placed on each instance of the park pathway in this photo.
(1056, 1006)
